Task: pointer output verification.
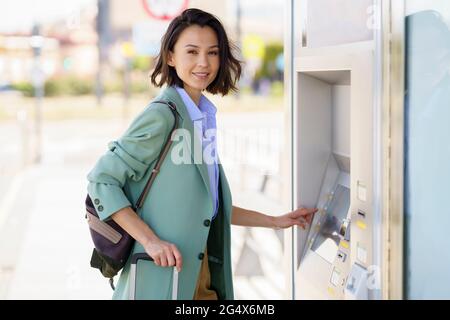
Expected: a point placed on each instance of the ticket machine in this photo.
(335, 167)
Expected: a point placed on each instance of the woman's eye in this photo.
(192, 51)
(214, 53)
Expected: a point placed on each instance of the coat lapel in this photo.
(226, 194)
(170, 94)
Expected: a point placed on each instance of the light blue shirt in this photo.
(203, 118)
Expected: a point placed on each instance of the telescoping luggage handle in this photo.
(143, 256)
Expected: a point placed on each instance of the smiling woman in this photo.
(185, 220)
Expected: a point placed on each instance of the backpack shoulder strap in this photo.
(161, 156)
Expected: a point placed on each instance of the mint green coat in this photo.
(178, 207)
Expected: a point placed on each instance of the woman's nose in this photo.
(203, 60)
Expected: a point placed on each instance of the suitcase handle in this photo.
(140, 256)
(144, 256)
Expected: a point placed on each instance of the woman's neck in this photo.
(194, 94)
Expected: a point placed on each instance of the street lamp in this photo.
(37, 77)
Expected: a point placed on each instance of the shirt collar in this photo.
(207, 106)
(196, 113)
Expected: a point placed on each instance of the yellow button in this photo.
(361, 225)
(331, 291)
(344, 244)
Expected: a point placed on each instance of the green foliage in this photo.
(74, 86)
(268, 68)
(77, 87)
(53, 88)
(58, 86)
(141, 63)
(277, 89)
(26, 88)
(140, 86)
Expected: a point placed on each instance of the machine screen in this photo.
(327, 239)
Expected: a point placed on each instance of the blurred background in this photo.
(73, 74)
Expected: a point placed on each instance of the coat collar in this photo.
(171, 94)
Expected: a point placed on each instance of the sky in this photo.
(19, 15)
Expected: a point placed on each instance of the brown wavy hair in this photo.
(229, 67)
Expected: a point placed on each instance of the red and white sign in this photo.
(164, 9)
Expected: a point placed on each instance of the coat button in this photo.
(206, 223)
(201, 255)
(96, 201)
(100, 208)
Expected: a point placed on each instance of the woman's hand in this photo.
(300, 217)
(164, 254)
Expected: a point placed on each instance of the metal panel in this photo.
(396, 102)
(346, 21)
(289, 45)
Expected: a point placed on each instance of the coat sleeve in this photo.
(128, 158)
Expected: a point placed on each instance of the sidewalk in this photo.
(44, 240)
(52, 260)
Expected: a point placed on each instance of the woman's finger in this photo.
(308, 211)
(170, 259)
(178, 258)
(163, 260)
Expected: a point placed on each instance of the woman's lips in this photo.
(201, 75)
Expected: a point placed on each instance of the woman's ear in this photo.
(170, 61)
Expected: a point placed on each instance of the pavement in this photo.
(44, 241)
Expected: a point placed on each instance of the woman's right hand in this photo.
(164, 254)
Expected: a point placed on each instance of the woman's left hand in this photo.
(300, 217)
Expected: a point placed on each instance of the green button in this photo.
(100, 208)
(201, 255)
(96, 201)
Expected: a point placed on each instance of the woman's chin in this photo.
(201, 88)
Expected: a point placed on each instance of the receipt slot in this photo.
(356, 286)
(333, 156)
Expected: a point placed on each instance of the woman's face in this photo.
(195, 58)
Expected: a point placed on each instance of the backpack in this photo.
(112, 244)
